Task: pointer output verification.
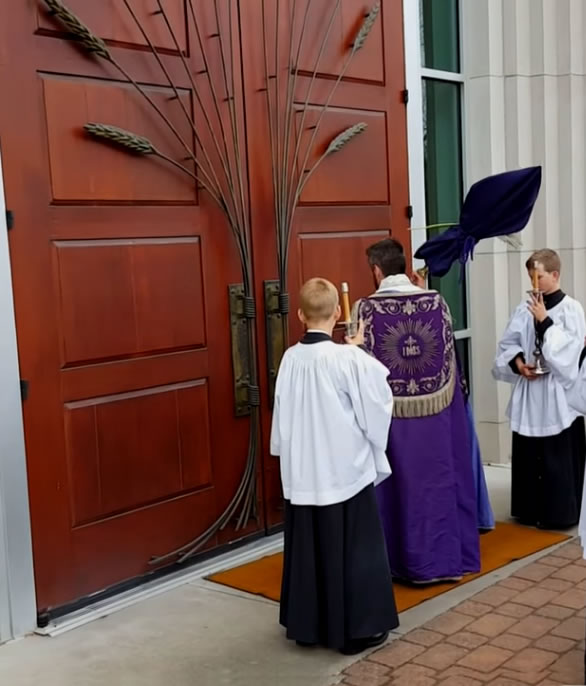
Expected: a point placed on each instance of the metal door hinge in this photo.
(23, 389)
(9, 219)
(405, 96)
(409, 211)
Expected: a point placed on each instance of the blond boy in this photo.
(332, 413)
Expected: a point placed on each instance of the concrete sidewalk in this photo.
(206, 635)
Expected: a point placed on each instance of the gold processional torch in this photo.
(349, 324)
(539, 361)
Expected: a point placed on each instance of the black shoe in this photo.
(305, 644)
(359, 645)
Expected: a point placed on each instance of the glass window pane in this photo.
(453, 287)
(443, 178)
(440, 34)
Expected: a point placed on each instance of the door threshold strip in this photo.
(105, 608)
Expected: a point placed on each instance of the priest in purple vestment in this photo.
(429, 504)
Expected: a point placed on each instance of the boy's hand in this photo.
(526, 370)
(418, 280)
(358, 339)
(537, 307)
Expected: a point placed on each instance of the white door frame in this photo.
(17, 586)
(415, 149)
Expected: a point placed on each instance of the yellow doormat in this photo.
(507, 543)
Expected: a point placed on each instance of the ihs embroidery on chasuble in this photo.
(412, 336)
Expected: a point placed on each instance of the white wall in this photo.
(525, 68)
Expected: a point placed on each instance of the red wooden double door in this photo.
(121, 270)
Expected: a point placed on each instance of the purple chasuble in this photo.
(428, 505)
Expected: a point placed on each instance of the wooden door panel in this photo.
(135, 449)
(117, 549)
(120, 376)
(341, 179)
(101, 222)
(84, 171)
(110, 24)
(335, 254)
(146, 286)
(369, 63)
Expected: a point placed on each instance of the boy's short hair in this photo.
(548, 258)
(318, 299)
(388, 255)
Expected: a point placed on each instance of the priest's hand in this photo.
(537, 307)
(526, 370)
(358, 339)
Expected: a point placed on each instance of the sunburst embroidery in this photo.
(410, 347)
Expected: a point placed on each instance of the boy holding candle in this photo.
(331, 418)
(539, 353)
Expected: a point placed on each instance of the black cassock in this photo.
(337, 584)
(547, 477)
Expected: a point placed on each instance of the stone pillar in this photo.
(525, 67)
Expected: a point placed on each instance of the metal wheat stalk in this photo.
(230, 87)
(139, 145)
(289, 177)
(287, 219)
(272, 135)
(177, 96)
(281, 123)
(227, 190)
(277, 44)
(292, 74)
(230, 175)
(304, 173)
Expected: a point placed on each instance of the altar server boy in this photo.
(548, 433)
(331, 419)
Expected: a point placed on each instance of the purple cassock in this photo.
(429, 504)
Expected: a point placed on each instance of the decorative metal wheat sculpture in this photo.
(289, 163)
(219, 166)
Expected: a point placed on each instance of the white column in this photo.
(524, 62)
(17, 590)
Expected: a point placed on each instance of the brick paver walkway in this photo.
(526, 629)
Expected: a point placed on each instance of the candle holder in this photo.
(351, 329)
(541, 368)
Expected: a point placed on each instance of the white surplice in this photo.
(577, 393)
(577, 400)
(540, 407)
(331, 419)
